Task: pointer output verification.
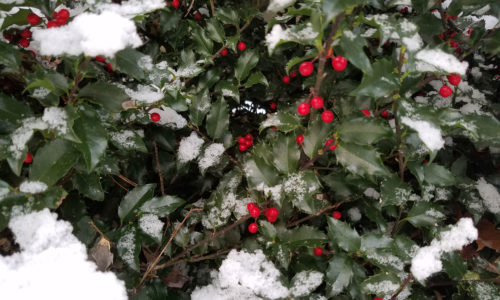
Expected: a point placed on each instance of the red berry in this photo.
(327, 116)
(176, 3)
(255, 212)
(100, 58)
(339, 63)
(29, 158)
(330, 144)
(318, 251)
(293, 74)
(155, 117)
(272, 214)
(63, 14)
(299, 139)
(242, 46)
(286, 79)
(454, 79)
(252, 228)
(109, 67)
(336, 215)
(8, 37)
(306, 68)
(197, 16)
(384, 114)
(248, 143)
(250, 206)
(317, 102)
(241, 140)
(25, 43)
(242, 147)
(33, 19)
(61, 21)
(378, 298)
(272, 105)
(51, 24)
(223, 52)
(249, 137)
(303, 109)
(26, 33)
(445, 91)
(366, 112)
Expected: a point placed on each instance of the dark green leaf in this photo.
(268, 230)
(53, 161)
(339, 274)
(301, 190)
(19, 18)
(218, 119)
(302, 236)
(134, 199)
(228, 89)
(203, 44)
(438, 175)
(334, 7)
(126, 61)
(227, 15)
(395, 192)
(258, 172)
(215, 30)
(360, 160)
(454, 265)
(286, 154)
(284, 121)
(343, 235)
(315, 137)
(128, 140)
(404, 248)
(10, 57)
(383, 284)
(108, 95)
(246, 62)
(11, 111)
(425, 214)
(162, 206)
(89, 130)
(380, 83)
(353, 44)
(256, 78)
(200, 106)
(363, 130)
(89, 185)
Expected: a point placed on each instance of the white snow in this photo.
(125, 138)
(489, 21)
(372, 193)
(427, 260)
(32, 187)
(127, 242)
(211, 156)
(23, 134)
(490, 195)
(446, 3)
(429, 134)
(151, 225)
(354, 214)
(243, 275)
(305, 282)
(277, 5)
(40, 93)
(413, 43)
(131, 8)
(145, 94)
(90, 34)
(189, 148)
(277, 34)
(435, 60)
(52, 264)
(56, 119)
(169, 117)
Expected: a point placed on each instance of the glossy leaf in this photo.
(108, 95)
(162, 206)
(343, 235)
(218, 119)
(94, 143)
(133, 200)
(363, 131)
(246, 62)
(425, 214)
(360, 160)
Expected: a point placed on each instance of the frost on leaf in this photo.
(126, 249)
(189, 148)
(305, 282)
(151, 225)
(169, 117)
(211, 156)
(490, 195)
(436, 60)
(299, 33)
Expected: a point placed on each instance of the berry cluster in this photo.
(286, 78)
(271, 215)
(330, 144)
(453, 79)
(245, 142)
(102, 59)
(241, 46)
(58, 18)
(316, 102)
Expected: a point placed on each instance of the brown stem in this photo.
(91, 223)
(402, 287)
(426, 80)
(127, 180)
(196, 259)
(78, 78)
(159, 169)
(152, 266)
(324, 52)
(114, 180)
(189, 9)
(334, 206)
(212, 7)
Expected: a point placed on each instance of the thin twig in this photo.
(189, 9)
(78, 78)
(112, 178)
(334, 206)
(127, 180)
(152, 266)
(196, 259)
(91, 223)
(212, 7)
(402, 287)
(159, 169)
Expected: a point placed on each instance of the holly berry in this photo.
(293, 74)
(241, 140)
(242, 147)
(299, 139)
(445, 91)
(330, 144)
(306, 68)
(384, 114)
(242, 46)
(8, 37)
(366, 112)
(252, 228)
(255, 212)
(29, 158)
(26, 33)
(223, 52)
(197, 16)
(286, 79)
(248, 143)
(378, 298)
(339, 63)
(33, 19)
(336, 215)
(63, 14)
(155, 117)
(327, 116)
(330, 52)
(51, 24)
(318, 251)
(176, 3)
(272, 105)
(25, 43)
(454, 79)
(248, 136)
(303, 109)
(317, 102)
(272, 214)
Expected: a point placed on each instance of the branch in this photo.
(114, 180)
(91, 223)
(334, 206)
(159, 169)
(212, 7)
(152, 266)
(78, 78)
(127, 180)
(196, 259)
(402, 287)
(324, 52)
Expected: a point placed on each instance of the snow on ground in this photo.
(90, 34)
(52, 264)
(427, 260)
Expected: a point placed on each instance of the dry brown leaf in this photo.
(101, 254)
(489, 236)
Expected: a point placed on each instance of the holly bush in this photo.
(355, 131)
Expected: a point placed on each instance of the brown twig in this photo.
(196, 259)
(426, 80)
(78, 78)
(402, 287)
(324, 52)
(159, 169)
(334, 206)
(189, 9)
(212, 7)
(152, 266)
(114, 180)
(91, 223)
(127, 180)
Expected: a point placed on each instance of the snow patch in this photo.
(211, 156)
(434, 60)
(189, 148)
(490, 195)
(32, 187)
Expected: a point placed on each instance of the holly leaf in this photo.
(353, 44)
(360, 160)
(126, 62)
(425, 214)
(108, 95)
(303, 236)
(315, 137)
(343, 235)
(338, 274)
(286, 154)
(256, 78)
(363, 131)
(218, 119)
(134, 199)
(89, 185)
(379, 83)
(94, 138)
(284, 121)
(246, 62)
(162, 206)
